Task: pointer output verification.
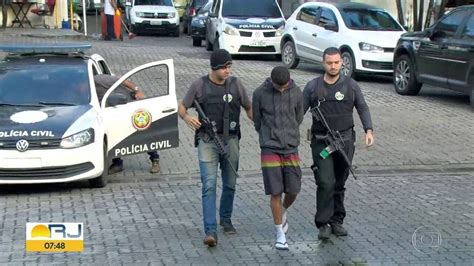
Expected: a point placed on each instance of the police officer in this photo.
(336, 95)
(221, 97)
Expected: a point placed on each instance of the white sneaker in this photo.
(280, 242)
(281, 246)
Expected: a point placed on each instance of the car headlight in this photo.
(172, 15)
(77, 140)
(279, 31)
(140, 14)
(367, 47)
(201, 21)
(231, 30)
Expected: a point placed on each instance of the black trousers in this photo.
(110, 27)
(331, 178)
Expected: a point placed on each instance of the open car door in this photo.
(147, 124)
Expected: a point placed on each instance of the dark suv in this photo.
(191, 10)
(442, 55)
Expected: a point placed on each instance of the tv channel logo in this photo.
(54, 237)
(426, 239)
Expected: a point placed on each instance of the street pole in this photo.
(84, 16)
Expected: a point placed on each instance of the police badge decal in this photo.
(339, 96)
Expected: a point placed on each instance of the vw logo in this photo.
(257, 34)
(22, 145)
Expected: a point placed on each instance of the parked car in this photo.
(198, 24)
(245, 26)
(442, 55)
(54, 129)
(366, 36)
(191, 10)
(150, 16)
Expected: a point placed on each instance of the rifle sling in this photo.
(225, 133)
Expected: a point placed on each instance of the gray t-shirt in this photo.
(103, 84)
(195, 92)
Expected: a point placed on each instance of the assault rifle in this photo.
(211, 130)
(334, 139)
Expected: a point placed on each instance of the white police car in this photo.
(52, 126)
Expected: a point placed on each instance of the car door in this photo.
(303, 28)
(461, 53)
(432, 54)
(148, 124)
(323, 38)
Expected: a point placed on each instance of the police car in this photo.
(53, 127)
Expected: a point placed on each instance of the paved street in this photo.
(418, 175)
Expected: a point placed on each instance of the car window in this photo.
(448, 26)
(327, 17)
(308, 14)
(468, 32)
(251, 8)
(34, 84)
(153, 3)
(369, 19)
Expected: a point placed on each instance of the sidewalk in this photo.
(45, 33)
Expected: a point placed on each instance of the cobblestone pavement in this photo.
(419, 173)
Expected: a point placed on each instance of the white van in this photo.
(153, 16)
(245, 26)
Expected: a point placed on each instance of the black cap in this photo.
(220, 58)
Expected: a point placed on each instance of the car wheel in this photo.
(289, 56)
(216, 46)
(404, 78)
(348, 65)
(196, 42)
(101, 181)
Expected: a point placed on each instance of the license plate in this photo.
(155, 22)
(23, 162)
(257, 42)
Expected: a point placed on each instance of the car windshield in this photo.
(153, 3)
(251, 8)
(44, 84)
(369, 19)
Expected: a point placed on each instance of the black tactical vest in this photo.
(337, 105)
(213, 104)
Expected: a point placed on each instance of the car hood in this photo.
(21, 122)
(255, 23)
(154, 9)
(387, 39)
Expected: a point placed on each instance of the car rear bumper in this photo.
(198, 32)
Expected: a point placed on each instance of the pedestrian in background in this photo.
(221, 97)
(336, 95)
(277, 107)
(110, 6)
